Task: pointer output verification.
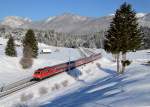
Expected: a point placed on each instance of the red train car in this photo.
(49, 71)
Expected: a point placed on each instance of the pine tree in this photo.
(124, 34)
(31, 41)
(10, 48)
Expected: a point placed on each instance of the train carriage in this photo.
(49, 71)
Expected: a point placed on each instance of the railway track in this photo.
(88, 51)
(81, 52)
(14, 87)
(15, 84)
(85, 52)
(11, 88)
(17, 88)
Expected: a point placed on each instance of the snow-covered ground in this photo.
(128, 90)
(94, 85)
(11, 70)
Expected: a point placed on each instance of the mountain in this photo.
(63, 23)
(139, 15)
(145, 21)
(69, 23)
(68, 30)
(72, 23)
(15, 21)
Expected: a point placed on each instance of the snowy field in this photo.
(11, 71)
(91, 86)
(131, 89)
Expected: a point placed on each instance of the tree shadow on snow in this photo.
(109, 71)
(103, 88)
(75, 73)
(106, 87)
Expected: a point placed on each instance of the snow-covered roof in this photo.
(46, 50)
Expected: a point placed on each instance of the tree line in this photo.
(88, 40)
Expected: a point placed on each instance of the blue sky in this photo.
(40, 9)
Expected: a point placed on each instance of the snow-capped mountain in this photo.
(66, 22)
(15, 21)
(70, 23)
(69, 16)
(139, 15)
(49, 19)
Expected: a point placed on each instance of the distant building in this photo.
(45, 51)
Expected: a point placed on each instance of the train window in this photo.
(60, 66)
(40, 69)
(37, 72)
(46, 70)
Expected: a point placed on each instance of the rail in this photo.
(13, 87)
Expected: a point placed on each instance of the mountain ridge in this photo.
(68, 22)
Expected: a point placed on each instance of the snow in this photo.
(102, 87)
(113, 90)
(80, 18)
(138, 15)
(94, 85)
(50, 18)
(50, 84)
(11, 70)
(15, 21)
(111, 14)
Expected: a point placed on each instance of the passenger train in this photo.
(49, 71)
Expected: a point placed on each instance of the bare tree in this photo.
(27, 61)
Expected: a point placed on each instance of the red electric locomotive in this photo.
(49, 71)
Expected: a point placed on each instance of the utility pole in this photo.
(69, 60)
(69, 64)
(2, 88)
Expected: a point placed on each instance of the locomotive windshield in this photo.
(37, 72)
